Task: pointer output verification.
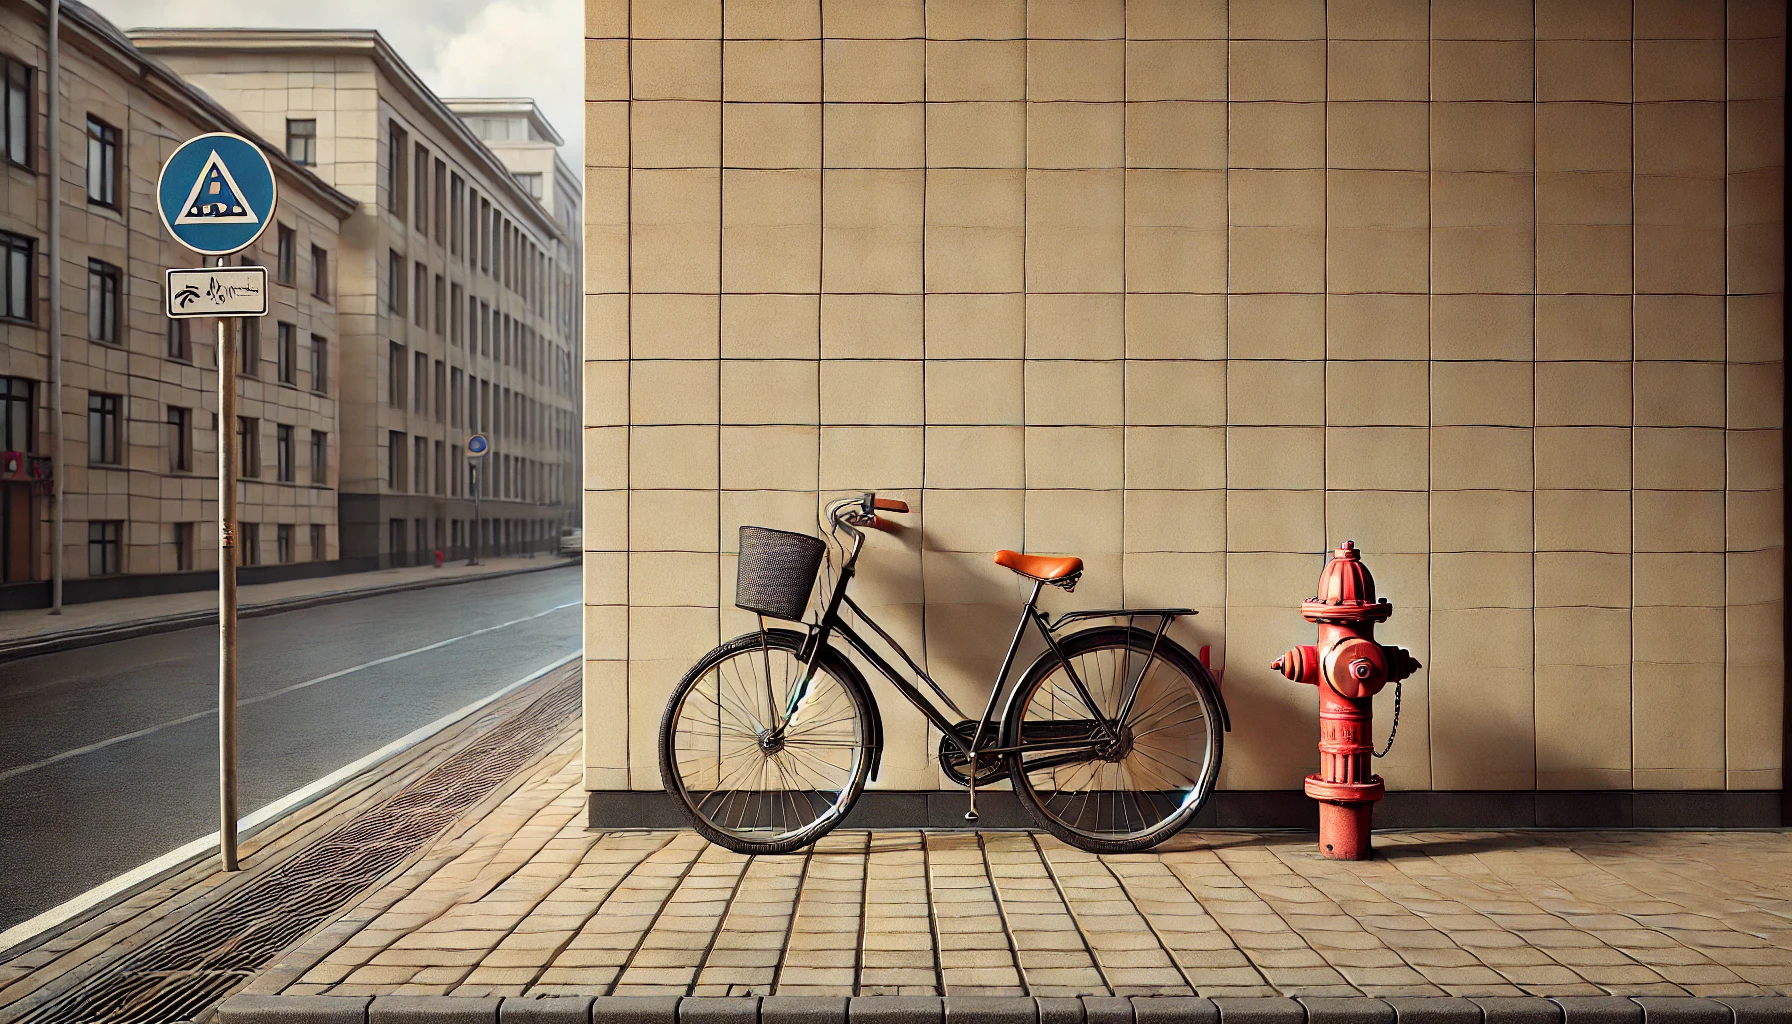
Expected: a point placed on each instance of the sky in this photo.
(460, 47)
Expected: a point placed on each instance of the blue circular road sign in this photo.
(216, 193)
(476, 445)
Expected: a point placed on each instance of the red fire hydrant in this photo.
(1349, 668)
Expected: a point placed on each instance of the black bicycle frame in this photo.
(831, 622)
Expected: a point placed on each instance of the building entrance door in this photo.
(15, 532)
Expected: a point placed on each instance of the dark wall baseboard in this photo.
(1290, 809)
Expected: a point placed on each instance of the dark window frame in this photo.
(18, 414)
(180, 444)
(398, 155)
(305, 153)
(18, 112)
(285, 254)
(286, 353)
(18, 279)
(105, 302)
(320, 457)
(320, 273)
(285, 456)
(105, 431)
(106, 142)
(320, 365)
(105, 538)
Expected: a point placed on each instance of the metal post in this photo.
(227, 335)
(477, 532)
(53, 175)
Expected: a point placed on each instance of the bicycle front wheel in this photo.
(754, 775)
(1130, 785)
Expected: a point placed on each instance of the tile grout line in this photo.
(1070, 912)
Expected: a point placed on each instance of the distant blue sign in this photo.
(216, 194)
(476, 445)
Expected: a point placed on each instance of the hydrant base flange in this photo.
(1346, 792)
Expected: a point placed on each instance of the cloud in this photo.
(460, 47)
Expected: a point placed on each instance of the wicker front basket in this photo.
(777, 571)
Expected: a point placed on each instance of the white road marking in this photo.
(211, 712)
(180, 857)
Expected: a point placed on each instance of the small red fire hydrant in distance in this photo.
(1349, 668)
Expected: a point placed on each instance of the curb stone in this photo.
(546, 1010)
(1759, 1009)
(719, 1010)
(991, 1010)
(1060, 1010)
(248, 1009)
(1518, 1009)
(1599, 1010)
(1665, 1010)
(432, 1010)
(1107, 1010)
(1172, 1010)
(631, 1009)
(263, 1009)
(803, 1009)
(1347, 1010)
(1260, 1010)
(895, 1010)
(1433, 1010)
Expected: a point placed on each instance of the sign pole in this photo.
(478, 534)
(228, 327)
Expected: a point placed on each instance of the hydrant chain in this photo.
(1395, 728)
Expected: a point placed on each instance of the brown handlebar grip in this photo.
(889, 505)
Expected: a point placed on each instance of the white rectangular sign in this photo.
(218, 291)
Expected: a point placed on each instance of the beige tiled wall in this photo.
(1196, 290)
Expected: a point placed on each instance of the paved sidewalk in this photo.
(32, 626)
(529, 902)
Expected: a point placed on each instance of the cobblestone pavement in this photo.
(530, 902)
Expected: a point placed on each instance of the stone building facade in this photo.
(139, 395)
(455, 294)
(1195, 290)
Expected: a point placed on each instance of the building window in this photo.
(441, 397)
(249, 544)
(248, 447)
(398, 200)
(18, 278)
(441, 309)
(395, 460)
(420, 191)
(104, 285)
(454, 318)
(395, 538)
(531, 182)
(284, 459)
(320, 457)
(301, 141)
(248, 346)
(420, 307)
(395, 368)
(441, 467)
(394, 282)
(319, 548)
(183, 547)
(456, 378)
(285, 253)
(102, 163)
(320, 364)
(420, 386)
(456, 190)
(16, 112)
(283, 543)
(103, 548)
(180, 340)
(16, 434)
(440, 194)
(320, 273)
(420, 465)
(286, 360)
(180, 439)
(103, 433)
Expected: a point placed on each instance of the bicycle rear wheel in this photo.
(1109, 793)
(752, 779)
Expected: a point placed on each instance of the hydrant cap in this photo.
(1346, 591)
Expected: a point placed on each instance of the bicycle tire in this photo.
(1183, 802)
(849, 701)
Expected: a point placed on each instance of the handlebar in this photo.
(888, 504)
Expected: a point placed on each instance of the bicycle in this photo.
(1111, 738)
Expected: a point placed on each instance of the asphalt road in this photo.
(108, 754)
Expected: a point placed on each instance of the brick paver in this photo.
(526, 901)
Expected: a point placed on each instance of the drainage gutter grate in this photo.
(183, 973)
